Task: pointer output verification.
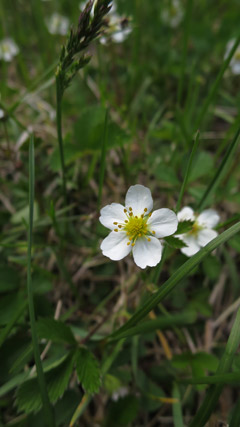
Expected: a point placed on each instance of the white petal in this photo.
(205, 236)
(115, 245)
(164, 222)
(147, 253)
(208, 218)
(139, 198)
(192, 244)
(112, 213)
(186, 214)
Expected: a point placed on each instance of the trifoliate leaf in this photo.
(175, 242)
(55, 331)
(57, 379)
(184, 227)
(88, 370)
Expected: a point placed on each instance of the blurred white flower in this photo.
(136, 228)
(120, 392)
(8, 49)
(202, 231)
(172, 14)
(235, 61)
(1, 114)
(57, 24)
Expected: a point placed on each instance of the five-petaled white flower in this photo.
(202, 231)
(135, 227)
(57, 24)
(8, 49)
(172, 13)
(235, 61)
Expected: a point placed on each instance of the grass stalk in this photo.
(48, 412)
(221, 171)
(103, 159)
(187, 23)
(216, 84)
(59, 132)
(188, 170)
(213, 393)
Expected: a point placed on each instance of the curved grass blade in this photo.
(232, 378)
(161, 322)
(235, 419)
(214, 391)
(41, 380)
(221, 171)
(178, 275)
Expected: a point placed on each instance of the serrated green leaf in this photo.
(184, 227)
(28, 397)
(55, 331)
(175, 242)
(88, 370)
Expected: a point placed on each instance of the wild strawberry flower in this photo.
(8, 49)
(172, 14)
(136, 228)
(235, 61)
(57, 24)
(202, 231)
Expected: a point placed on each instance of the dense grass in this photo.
(119, 345)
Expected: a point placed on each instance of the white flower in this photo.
(1, 114)
(172, 14)
(8, 49)
(235, 61)
(202, 232)
(135, 227)
(57, 24)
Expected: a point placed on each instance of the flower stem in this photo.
(59, 132)
(41, 380)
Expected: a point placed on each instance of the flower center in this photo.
(195, 230)
(136, 227)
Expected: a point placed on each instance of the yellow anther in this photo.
(130, 214)
(126, 221)
(142, 215)
(149, 239)
(136, 216)
(119, 226)
(128, 243)
(130, 209)
(115, 229)
(133, 244)
(139, 235)
(150, 214)
(145, 210)
(125, 210)
(115, 223)
(153, 232)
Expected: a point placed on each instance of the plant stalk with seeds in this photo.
(73, 58)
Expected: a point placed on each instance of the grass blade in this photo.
(214, 391)
(41, 380)
(232, 378)
(216, 84)
(161, 322)
(235, 419)
(189, 165)
(103, 159)
(59, 133)
(177, 409)
(178, 275)
(221, 171)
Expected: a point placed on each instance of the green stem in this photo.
(41, 380)
(59, 132)
(103, 159)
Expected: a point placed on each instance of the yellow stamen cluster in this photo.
(195, 229)
(135, 226)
